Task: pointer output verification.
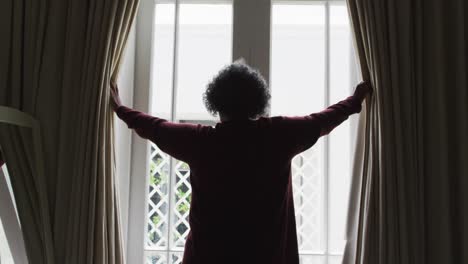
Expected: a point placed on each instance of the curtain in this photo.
(12, 248)
(409, 195)
(56, 61)
(29, 189)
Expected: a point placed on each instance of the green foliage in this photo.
(183, 207)
(156, 219)
(155, 177)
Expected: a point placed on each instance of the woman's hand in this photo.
(363, 89)
(115, 98)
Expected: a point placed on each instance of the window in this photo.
(193, 41)
(311, 64)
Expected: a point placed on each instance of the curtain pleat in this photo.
(56, 64)
(30, 191)
(408, 203)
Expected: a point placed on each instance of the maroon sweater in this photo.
(242, 208)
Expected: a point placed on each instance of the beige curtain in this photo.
(409, 198)
(56, 61)
(29, 190)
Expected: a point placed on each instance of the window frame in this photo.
(245, 29)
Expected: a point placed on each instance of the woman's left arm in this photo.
(175, 139)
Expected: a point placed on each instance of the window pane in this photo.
(205, 44)
(307, 176)
(158, 204)
(157, 227)
(298, 61)
(156, 258)
(203, 47)
(335, 259)
(181, 197)
(340, 139)
(297, 81)
(162, 67)
(162, 257)
(313, 260)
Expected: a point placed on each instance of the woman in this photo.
(242, 207)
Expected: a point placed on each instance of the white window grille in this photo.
(310, 39)
(167, 223)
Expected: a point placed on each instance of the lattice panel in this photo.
(158, 205)
(177, 257)
(161, 257)
(158, 230)
(182, 193)
(156, 258)
(307, 171)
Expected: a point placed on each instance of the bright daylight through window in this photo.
(311, 67)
